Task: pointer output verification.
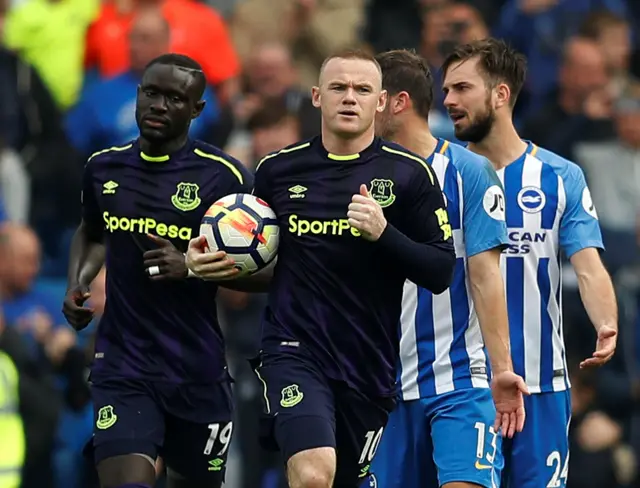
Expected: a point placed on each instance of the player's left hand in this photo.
(210, 266)
(366, 215)
(605, 347)
(508, 389)
(164, 263)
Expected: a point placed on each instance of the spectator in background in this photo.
(105, 114)
(30, 125)
(196, 30)
(446, 25)
(613, 171)
(50, 35)
(270, 74)
(597, 451)
(311, 29)
(270, 80)
(271, 129)
(612, 33)
(13, 449)
(28, 113)
(39, 408)
(540, 30)
(383, 17)
(36, 314)
(580, 109)
(14, 186)
(49, 343)
(3, 213)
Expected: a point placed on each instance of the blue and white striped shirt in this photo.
(548, 209)
(441, 346)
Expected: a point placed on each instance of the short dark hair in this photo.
(272, 112)
(182, 61)
(498, 61)
(351, 54)
(404, 70)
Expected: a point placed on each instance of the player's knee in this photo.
(124, 470)
(313, 468)
(311, 477)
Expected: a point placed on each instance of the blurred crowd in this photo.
(68, 76)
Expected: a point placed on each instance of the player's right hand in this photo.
(210, 266)
(74, 310)
(605, 348)
(507, 389)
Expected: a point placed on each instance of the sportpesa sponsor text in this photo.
(145, 225)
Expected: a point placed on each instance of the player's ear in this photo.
(502, 94)
(315, 96)
(198, 108)
(382, 101)
(402, 101)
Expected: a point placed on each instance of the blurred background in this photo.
(68, 76)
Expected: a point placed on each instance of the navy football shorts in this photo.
(188, 425)
(305, 410)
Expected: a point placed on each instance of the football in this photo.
(244, 227)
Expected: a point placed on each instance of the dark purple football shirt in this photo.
(160, 331)
(335, 297)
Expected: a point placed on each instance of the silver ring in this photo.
(154, 270)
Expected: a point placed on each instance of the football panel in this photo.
(221, 203)
(245, 263)
(250, 211)
(241, 220)
(260, 263)
(214, 210)
(207, 230)
(232, 237)
(269, 249)
(228, 200)
(217, 236)
(260, 207)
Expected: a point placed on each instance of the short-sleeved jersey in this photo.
(336, 296)
(164, 330)
(441, 346)
(548, 209)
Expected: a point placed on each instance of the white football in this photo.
(244, 227)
